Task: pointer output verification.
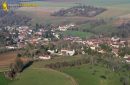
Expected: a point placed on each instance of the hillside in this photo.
(43, 77)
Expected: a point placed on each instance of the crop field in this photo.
(6, 59)
(41, 14)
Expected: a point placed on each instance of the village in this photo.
(20, 37)
(64, 42)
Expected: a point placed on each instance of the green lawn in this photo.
(88, 75)
(37, 76)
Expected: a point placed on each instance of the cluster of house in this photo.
(115, 43)
(27, 35)
(65, 27)
(62, 52)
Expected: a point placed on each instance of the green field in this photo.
(78, 34)
(85, 74)
(91, 75)
(37, 76)
(107, 28)
(3, 80)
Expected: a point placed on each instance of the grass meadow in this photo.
(3, 80)
(85, 74)
(38, 76)
(91, 75)
(84, 35)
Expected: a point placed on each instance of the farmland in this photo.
(6, 59)
(42, 13)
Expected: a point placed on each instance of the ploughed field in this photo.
(41, 14)
(6, 59)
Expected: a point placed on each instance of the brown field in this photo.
(42, 15)
(7, 58)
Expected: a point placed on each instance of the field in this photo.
(41, 14)
(91, 75)
(107, 28)
(37, 76)
(84, 35)
(78, 75)
(3, 80)
(6, 59)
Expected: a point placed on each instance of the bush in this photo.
(103, 77)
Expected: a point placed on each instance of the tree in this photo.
(124, 51)
(105, 47)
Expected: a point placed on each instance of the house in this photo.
(51, 51)
(45, 57)
(127, 58)
(67, 52)
(115, 39)
(11, 47)
(93, 48)
(65, 27)
(101, 51)
(56, 35)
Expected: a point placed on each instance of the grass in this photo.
(3, 80)
(91, 75)
(107, 28)
(81, 75)
(37, 76)
(78, 34)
